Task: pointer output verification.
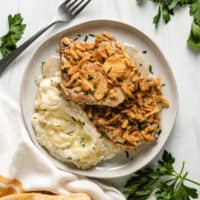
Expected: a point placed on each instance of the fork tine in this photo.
(81, 8)
(77, 5)
(65, 2)
(71, 4)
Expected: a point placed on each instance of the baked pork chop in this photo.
(113, 83)
(92, 72)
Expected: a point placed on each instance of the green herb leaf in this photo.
(185, 192)
(14, 34)
(82, 142)
(73, 119)
(85, 38)
(163, 181)
(94, 88)
(159, 132)
(70, 133)
(195, 11)
(127, 154)
(43, 64)
(150, 69)
(144, 51)
(91, 35)
(194, 37)
(156, 18)
(166, 14)
(89, 78)
(173, 4)
(76, 38)
(117, 142)
(166, 9)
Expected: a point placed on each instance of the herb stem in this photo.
(175, 174)
(180, 173)
(192, 181)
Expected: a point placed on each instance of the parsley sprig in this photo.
(14, 34)
(167, 8)
(194, 37)
(164, 181)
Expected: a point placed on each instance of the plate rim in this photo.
(61, 32)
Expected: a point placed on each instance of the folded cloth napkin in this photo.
(20, 159)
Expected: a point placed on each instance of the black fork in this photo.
(66, 11)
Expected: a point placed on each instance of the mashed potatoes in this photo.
(62, 127)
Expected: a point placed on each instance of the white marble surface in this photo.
(184, 142)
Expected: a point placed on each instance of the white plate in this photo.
(120, 165)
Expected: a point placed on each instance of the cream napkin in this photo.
(20, 159)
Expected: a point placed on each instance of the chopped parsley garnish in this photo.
(82, 142)
(73, 119)
(150, 69)
(69, 158)
(127, 154)
(89, 78)
(85, 38)
(42, 66)
(70, 133)
(144, 51)
(103, 135)
(140, 65)
(159, 132)
(109, 70)
(83, 145)
(94, 88)
(118, 142)
(76, 38)
(80, 122)
(91, 35)
(163, 85)
(93, 148)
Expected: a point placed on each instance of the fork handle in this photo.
(14, 54)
